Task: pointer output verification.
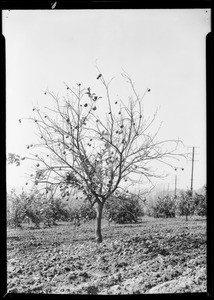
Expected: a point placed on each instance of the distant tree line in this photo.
(33, 207)
(186, 204)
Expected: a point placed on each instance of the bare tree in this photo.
(97, 155)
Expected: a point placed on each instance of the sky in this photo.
(162, 49)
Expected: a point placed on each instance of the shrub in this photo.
(123, 209)
(34, 206)
(87, 212)
(200, 202)
(60, 210)
(54, 210)
(15, 209)
(186, 204)
(164, 207)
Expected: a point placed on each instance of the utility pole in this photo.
(193, 161)
(176, 176)
(193, 154)
(175, 186)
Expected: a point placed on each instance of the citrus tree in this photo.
(186, 204)
(16, 212)
(201, 202)
(164, 207)
(95, 152)
(123, 209)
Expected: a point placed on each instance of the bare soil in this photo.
(153, 256)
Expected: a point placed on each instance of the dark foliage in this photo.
(123, 209)
(164, 207)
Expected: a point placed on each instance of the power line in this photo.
(190, 153)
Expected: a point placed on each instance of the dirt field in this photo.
(154, 256)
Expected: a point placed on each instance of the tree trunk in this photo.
(99, 210)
